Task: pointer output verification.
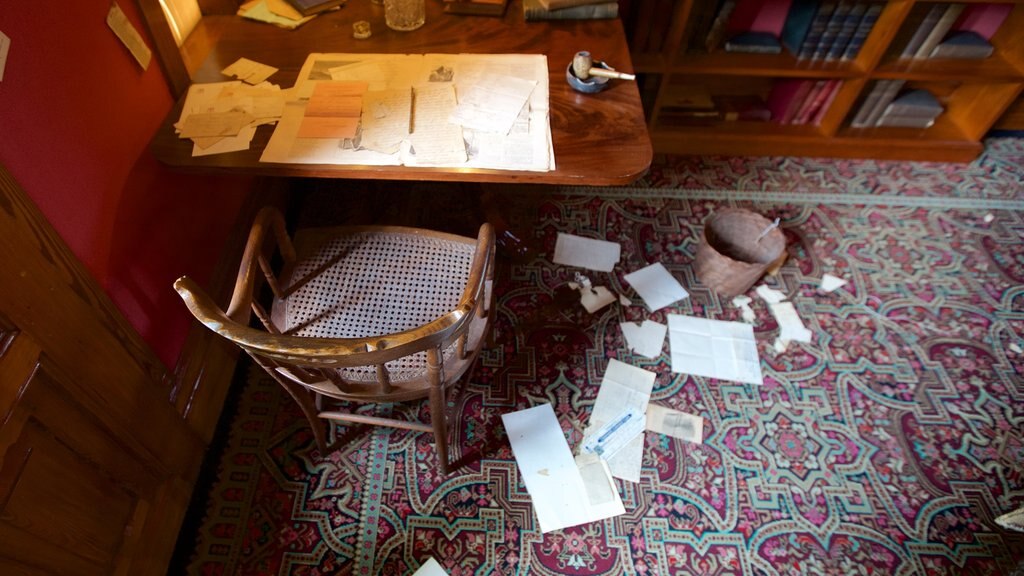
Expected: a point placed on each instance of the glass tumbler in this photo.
(405, 15)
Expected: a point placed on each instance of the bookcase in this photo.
(698, 97)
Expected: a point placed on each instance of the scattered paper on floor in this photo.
(830, 283)
(714, 349)
(646, 339)
(430, 568)
(656, 286)
(600, 255)
(743, 303)
(595, 298)
(552, 477)
(791, 327)
(675, 423)
(622, 387)
(770, 295)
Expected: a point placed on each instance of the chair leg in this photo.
(302, 397)
(439, 421)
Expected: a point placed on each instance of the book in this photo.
(846, 31)
(835, 23)
(749, 108)
(534, 10)
(786, 97)
(933, 38)
(810, 103)
(963, 45)
(923, 28)
(867, 22)
(818, 25)
(768, 16)
(863, 118)
(887, 95)
(561, 4)
(311, 7)
(982, 19)
(754, 42)
(716, 34)
(914, 103)
(798, 24)
(832, 91)
(906, 121)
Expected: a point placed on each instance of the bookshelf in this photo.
(683, 80)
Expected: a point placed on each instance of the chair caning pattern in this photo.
(383, 282)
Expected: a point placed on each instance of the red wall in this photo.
(76, 117)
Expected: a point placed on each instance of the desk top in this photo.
(599, 139)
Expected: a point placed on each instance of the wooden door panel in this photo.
(98, 464)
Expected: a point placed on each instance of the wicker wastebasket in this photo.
(730, 255)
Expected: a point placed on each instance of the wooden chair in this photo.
(362, 314)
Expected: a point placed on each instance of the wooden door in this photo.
(98, 465)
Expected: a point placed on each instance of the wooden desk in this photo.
(599, 139)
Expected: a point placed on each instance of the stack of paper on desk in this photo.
(467, 111)
(223, 116)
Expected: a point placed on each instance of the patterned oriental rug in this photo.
(887, 445)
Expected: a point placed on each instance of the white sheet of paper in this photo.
(623, 386)
(430, 568)
(657, 286)
(831, 283)
(436, 141)
(674, 423)
(647, 339)
(791, 327)
(492, 104)
(551, 474)
(714, 349)
(600, 255)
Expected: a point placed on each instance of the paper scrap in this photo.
(284, 9)
(5, 49)
(1015, 348)
(625, 301)
(830, 283)
(743, 303)
(430, 568)
(249, 71)
(572, 250)
(656, 286)
(622, 387)
(597, 480)
(128, 35)
(791, 327)
(596, 297)
(560, 497)
(988, 218)
(267, 11)
(714, 349)
(770, 295)
(647, 339)
(674, 423)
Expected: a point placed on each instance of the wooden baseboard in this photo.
(207, 362)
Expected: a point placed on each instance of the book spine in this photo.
(860, 120)
(883, 101)
(983, 19)
(817, 28)
(716, 34)
(863, 30)
(922, 31)
(846, 32)
(587, 12)
(835, 23)
(832, 91)
(940, 29)
(810, 103)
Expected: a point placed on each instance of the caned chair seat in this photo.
(363, 314)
